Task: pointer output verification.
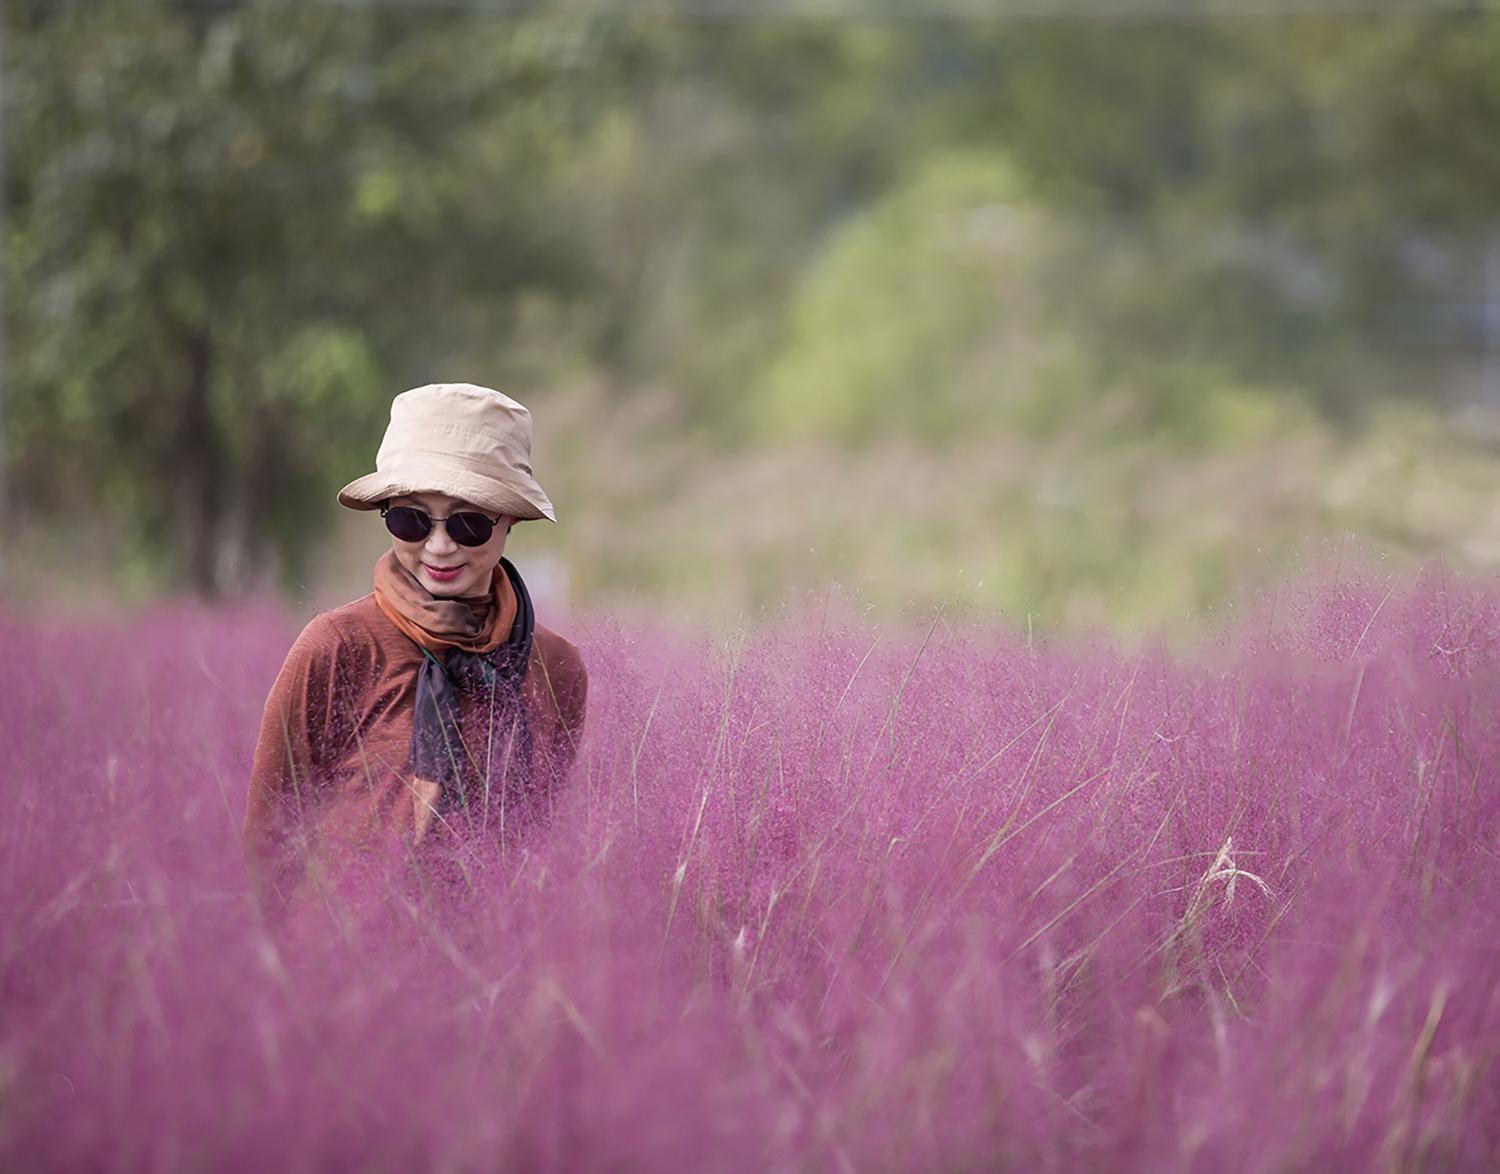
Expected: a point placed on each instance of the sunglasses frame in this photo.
(386, 508)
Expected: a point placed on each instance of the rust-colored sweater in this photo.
(329, 782)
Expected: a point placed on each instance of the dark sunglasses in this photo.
(412, 525)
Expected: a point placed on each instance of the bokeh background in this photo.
(1079, 314)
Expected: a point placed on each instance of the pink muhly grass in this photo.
(813, 898)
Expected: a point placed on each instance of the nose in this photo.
(438, 543)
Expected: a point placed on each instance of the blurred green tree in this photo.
(1298, 199)
(235, 230)
(1254, 195)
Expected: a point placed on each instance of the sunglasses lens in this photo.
(407, 524)
(470, 529)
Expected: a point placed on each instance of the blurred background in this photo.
(1079, 314)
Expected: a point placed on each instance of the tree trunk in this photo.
(245, 563)
(195, 452)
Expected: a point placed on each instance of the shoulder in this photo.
(358, 622)
(557, 655)
(348, 633)
(561, 671)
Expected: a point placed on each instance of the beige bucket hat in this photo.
(460, 439)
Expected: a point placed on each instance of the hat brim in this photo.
(523, 502)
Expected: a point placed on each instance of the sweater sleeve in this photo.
(299, 732)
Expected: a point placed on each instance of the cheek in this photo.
(408, 554)
(484, 559)
(490, 557)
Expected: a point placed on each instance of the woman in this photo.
(421, 723)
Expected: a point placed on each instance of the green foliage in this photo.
(1295, 198)
(236, 232)
(710, 184)
(937, 312)
(884, 319)
(1117, 301)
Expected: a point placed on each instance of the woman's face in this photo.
(432, 560)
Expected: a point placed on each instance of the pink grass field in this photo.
(815, 899)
